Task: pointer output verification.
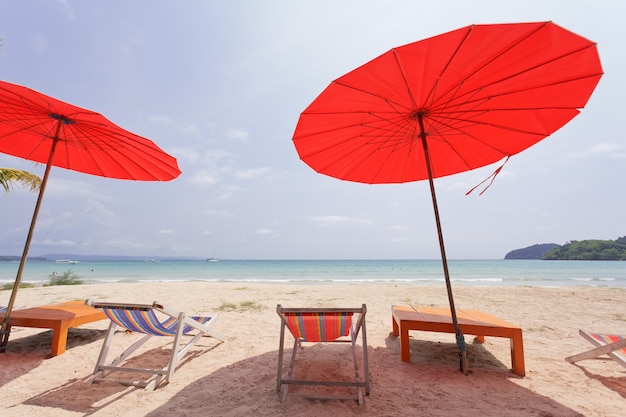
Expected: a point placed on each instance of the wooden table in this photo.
(472, 322)
(58, 317)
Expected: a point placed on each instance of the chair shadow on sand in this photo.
(617, 384)
(429, 384)
(30, 351)
(79, 395)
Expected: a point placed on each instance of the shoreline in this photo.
(487, 283)
(238, 377)
(413, 272)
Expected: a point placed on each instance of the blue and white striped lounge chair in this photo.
(324, 325)
(150, 320)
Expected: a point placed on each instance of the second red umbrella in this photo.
(43, 129)
(448, 104)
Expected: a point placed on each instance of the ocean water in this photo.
(409, 272)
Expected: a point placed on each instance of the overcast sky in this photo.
(220, 86)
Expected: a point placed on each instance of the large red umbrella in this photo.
(448, 104)
(39, 128)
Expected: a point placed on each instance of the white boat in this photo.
(214, 258)
(66, 261)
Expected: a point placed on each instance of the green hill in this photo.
(586, 250)
(590, 250)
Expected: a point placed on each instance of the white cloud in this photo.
(191, 129)
(161, 120)
(227, 192)
(58, 243)
(187, 154)
(403, 239)
(99, 213)
(64, 188)
(125, 243)
(238, 134)
(605, 147)
(222, 213)
(38, 42)
(252, 173)
(333, 220)
(202, 177)
(398, 228)
(612, 149)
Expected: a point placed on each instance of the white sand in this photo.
(238, 377)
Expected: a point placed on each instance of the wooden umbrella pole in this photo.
(6, 326)
(458, 332)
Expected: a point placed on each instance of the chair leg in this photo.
(598, 351)
(366, 368)
(281, 346)
(292, 362)
(101, 368)
(106, 344)
(357, 375)
(176, 347)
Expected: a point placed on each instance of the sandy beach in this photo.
(238, 377)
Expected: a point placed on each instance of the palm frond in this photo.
(10, 176)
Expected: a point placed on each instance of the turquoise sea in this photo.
(410, 272)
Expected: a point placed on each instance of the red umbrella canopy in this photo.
(86, 141)
(480, 93)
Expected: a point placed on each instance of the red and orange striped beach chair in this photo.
(606, 344)
(324, 325)
(150, 320)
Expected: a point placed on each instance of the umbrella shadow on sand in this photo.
(27, 353)
(428, 386)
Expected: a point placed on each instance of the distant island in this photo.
(97, 258)
(11, 258)
(581, 250)
(531, 252)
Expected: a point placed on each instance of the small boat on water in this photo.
(66, 261)
(212, 259)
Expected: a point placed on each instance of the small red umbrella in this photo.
(448, 104)
(40, 128)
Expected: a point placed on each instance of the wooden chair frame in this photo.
(176, 324)
(614, 350)
(357, 327)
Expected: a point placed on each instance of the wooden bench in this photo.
(58, 317)
(471, 322)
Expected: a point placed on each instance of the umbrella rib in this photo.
(511, 92)
(458, 85)
(121, 162)
(369, 93)
(431, 98)
(85, 133)
(485, 64)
